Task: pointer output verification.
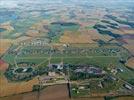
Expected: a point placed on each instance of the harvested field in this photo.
(7, 26)
(83, 36)
(120, 32)
(97, 98)
(17, 97)
(23, 38)
(57, 92)
(37, 29)
(33, 33)
(54, 94)
(8, 88)
(124, 98)
(127, 30)
(130, 63)
(123, 31)
(75, 37)
(94, 35)
(129, 45)
(4, 45)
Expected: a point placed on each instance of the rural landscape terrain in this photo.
(66, 50)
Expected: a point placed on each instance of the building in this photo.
(56, 66)
(51, 74)
(128, 87)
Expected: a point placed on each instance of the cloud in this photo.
(8, 3)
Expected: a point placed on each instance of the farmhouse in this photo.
(120, 70)
(81, 87)
(127, 86)
(51, 74)
(55, 66)
(114, 71)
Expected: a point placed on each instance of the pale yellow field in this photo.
(56, 92)
(7, 26)
(10, 88)
(128, 31)
(75, 37)
(23, 38)
(130, 63)
(97, 98)
(129, 45)
(4, 45)
(94, 35)
(124, 98)
(38, 29)
(123, 31)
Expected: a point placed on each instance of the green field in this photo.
(101, 56)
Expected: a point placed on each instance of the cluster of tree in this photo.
(131, 24)
(81, 76)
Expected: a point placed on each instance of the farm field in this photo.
(130, 62)
(124, 98)
(9, 88)
(49, 93)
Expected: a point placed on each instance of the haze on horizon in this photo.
(14, 3)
